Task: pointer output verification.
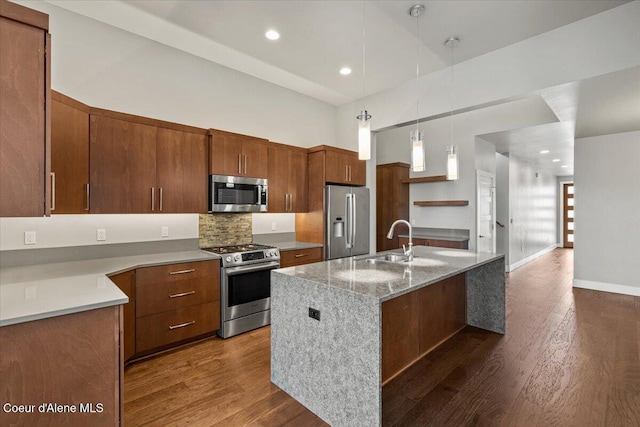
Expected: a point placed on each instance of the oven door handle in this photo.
(231, 271)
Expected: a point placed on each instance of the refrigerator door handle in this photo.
(348, 215)
(353, 220)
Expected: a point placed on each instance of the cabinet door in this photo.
(23, 89)
(126, 282)
(336, 169)
(69, 158)
(226, 153)
(400, 334)
(298, 181)
(122, 166)
(278, 176)
(182, 172)
(254, 157)
(357, 171)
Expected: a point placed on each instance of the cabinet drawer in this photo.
(177, 325)
(300, 257)
(157, 290)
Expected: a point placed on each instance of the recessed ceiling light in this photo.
(345, 71)
(544, 151)
(272, 35)
(563, 166)
(555, 160)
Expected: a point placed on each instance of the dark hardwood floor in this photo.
(570, 357)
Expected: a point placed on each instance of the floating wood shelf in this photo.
(441, 203)
(434, 178)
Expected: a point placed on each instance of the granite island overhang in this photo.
(372, 321)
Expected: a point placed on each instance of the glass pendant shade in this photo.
(364, 136)
(452, 162)
(417, 151)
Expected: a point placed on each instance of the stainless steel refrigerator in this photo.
(346, 221)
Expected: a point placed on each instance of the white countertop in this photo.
(46, 290)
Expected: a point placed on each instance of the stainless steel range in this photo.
(245, 286)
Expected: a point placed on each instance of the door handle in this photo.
(160, 199)
(153, 199)
(245, 163)
(53, 191)
(239, 163)
(87, 205)
(290, 202)
(481, 236)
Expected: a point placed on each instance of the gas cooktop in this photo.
(251, 253)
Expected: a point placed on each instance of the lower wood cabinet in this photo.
(415, 323)
(434, 242)
(300, 257)
(169, 304)
(64, 360)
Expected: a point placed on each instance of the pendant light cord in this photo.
(364, 69)
(452, 63)
(417, 70)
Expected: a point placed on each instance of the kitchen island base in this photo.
(335, 366)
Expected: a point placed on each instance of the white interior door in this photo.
(486, 236)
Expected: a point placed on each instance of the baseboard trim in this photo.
(607, 287)
(527, 260)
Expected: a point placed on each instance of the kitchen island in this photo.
(341, 329)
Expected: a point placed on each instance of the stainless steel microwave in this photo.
(237, 194)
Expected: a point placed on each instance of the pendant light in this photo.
(417, 143)
(364, 126)
(452, 150)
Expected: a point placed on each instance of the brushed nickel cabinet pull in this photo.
(153, 199)
(301, 255)
(160, 199)
(181, 325)
(182, 294)
(245, 164)
(87, 208)
(290, 202)
(191, 270)
(346, 173)
(239, 163)
(53, 191)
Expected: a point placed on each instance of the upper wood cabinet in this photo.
(24, 119)
(182, 170)
(287, 178)
(238, 155)
(69, 155)
(123, 166)
(342, 166)
(144, 168)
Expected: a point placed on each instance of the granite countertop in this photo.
(384, 281)
(295, 245)
(46, 290)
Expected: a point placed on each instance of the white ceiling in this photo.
(320, 37)
(597, 106)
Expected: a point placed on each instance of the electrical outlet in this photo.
(314, 314)
(101, 234)
(413, 221)
(165, 231)
(273, 226)
(29, 237)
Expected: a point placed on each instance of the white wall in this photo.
(597, 45)
(533, 207)
(264, 223)
(110, 68)
(607, 213)
(80, 230)
(502, 205)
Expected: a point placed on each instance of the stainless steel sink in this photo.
(387, 258)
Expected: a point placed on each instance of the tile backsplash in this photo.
(221, 229)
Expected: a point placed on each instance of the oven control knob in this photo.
(236, 258)
(274, 253)
(228, 258)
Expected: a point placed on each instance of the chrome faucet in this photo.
(407, 252)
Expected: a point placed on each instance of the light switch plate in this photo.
(29, 237)
(165, 231)
(273, 226)
(101, 234)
